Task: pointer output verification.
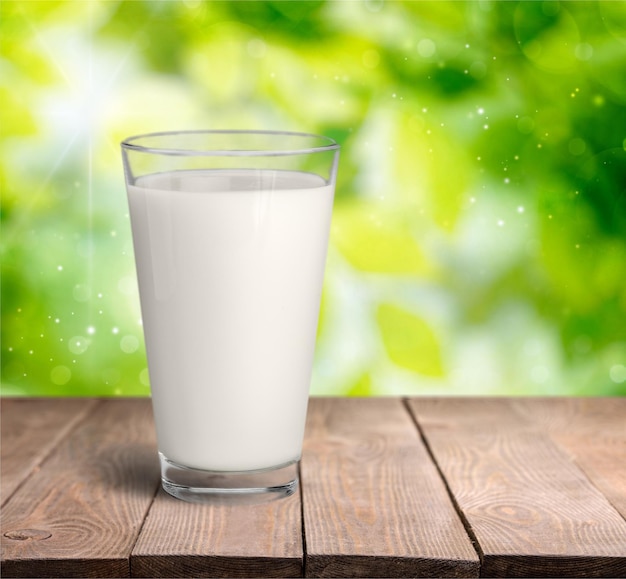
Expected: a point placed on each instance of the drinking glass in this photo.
(230, 231)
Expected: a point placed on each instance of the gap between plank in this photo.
(576, 462)
(143, 522)
(457, 508)
(64, 433)
(581, 468)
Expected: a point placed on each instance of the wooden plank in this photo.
(182, 539)
(593, 432)
(532, 510)
(373, 502)
(30, 429)
(80, 513)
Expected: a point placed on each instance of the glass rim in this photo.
(130, 145)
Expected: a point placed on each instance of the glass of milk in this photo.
(230, 230)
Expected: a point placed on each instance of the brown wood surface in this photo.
(80, 513)
(373, 503)
(593, 432)
(29, 430)
(539, 483)
(532, 510)
(200, 540)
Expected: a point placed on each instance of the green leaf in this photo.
(322, 313)
(547, 38)
(431, 170)
(409, 341)
(362, 387)
(375, 240)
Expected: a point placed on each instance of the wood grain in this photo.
(82, 510)
(593, 432)
(182, 539)
(540, 483)
(373, 502)
(30, 429)
(532, 510)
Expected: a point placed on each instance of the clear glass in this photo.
(230, 230)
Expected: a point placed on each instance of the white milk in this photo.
(230, 280)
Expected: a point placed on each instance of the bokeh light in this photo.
(478, 243)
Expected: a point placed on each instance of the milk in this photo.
(230, 267)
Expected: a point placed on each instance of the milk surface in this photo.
(230, 267)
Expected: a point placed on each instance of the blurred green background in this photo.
(478, 243)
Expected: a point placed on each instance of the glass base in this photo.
(203, 486)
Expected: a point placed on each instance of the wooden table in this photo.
(389, 487)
